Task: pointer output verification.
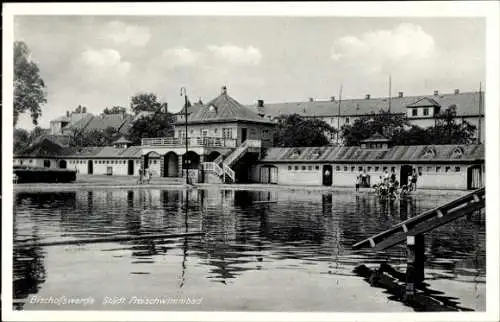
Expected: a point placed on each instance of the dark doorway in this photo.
(90, 167)
(171, 165)
(193, 160)
(62, 164)
(46, 163)
(243, 134)
(130, 167)
(269, 174)
(474, 177)
(406, 170)
(327, 175)
(146, 161)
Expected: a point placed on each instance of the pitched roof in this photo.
(377, 137)
(355, 154)
(90, 122)
(122, 140)
(224, 108)
(423, 102)
(467, 103)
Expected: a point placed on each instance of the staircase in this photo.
(230, 160)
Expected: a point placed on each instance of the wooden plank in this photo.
(439, 213)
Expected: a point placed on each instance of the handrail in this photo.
(229, 172)
(440, 215)
(218, 160)
(233, 157)
(192, 141)
(211, 166)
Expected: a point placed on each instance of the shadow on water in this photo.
(244, 230)
(393, 282)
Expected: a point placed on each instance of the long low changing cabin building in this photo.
(438, 166)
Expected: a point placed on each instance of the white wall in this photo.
(430, 178)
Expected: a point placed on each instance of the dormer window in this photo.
(212, 108)
(457, 153)
(316, 153)
(295, 154)
(429, 153)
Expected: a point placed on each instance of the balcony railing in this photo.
(192, 142)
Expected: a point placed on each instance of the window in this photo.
(369, 169)
(154, 161)
(419, 171)
(385, 168)
(303, 167)
(345, 169)
(296, 168)
(377, 169)
(347, 120)
(426, 112)
(360, 168)
(107, 161)
(337, 168)
(429, 169)
(138, 161)
(46, 163)
(438, 169)
(31, 161)
(215, 130)
(310, 167)
(447, 169)
(204, 133)
(414, 112)
(317, 167)
(353, 169)
(289, 168)
(457, 169)
(394, 169)
(227, 133)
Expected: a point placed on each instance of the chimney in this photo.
(332, 99)
(367, 96)
(400, 94)
(457, 91)
(67, 113)
(84, 110)
(260, 103)
(311, 99)
(436, 93)
(224, 90)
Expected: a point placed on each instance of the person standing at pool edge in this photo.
(357, 183)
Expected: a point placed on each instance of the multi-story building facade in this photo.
(423, 111)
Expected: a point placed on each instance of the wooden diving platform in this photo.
(426, 221)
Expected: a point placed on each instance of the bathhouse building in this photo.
(220, 140)
(438, 166)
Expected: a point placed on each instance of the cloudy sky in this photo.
(100, 61)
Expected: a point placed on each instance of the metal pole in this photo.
(479, 119)
(390, 96)
(183, 90)
(338, 114)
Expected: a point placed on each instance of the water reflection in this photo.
(245, 231)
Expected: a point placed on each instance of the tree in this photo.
(93, 137)
(115, 110)
(448, 131)
(29, 87)
(156, 125)
(396, 127)
(295, 130)
(385, 123)
(146, 102)
(21, 140)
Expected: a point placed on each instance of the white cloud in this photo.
(383, 50)
(105, 61)
(121, 33)
(236, 55)
(180, 56)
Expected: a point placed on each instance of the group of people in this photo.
(388, 185)
(144, 175)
